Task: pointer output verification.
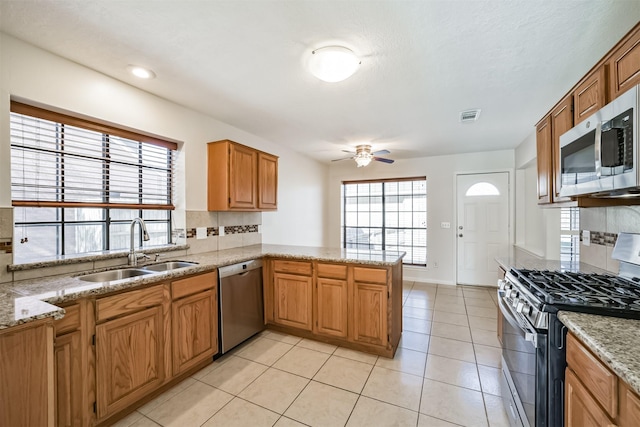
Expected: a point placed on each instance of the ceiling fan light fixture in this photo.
(333, 63)
(363, 159)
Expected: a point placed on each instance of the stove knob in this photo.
(527, 309)
(513, 293)
(520, 306)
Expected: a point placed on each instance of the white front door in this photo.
(483, 226)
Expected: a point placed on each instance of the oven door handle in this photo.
(529, 333)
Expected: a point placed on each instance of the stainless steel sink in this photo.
(169, 265)
(112, 275)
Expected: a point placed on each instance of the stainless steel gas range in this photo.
(533, 339)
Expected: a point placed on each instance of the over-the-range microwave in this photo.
(599, 157)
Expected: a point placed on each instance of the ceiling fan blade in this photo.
(347, 151)
(344, 158)
(383, 160)
(377, 153)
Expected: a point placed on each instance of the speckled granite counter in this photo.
(519, 258)
(45, 291)
(616, 341)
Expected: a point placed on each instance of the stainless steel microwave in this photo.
(599, 156)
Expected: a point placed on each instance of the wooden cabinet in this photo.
(27, 375)
(240, 178)
(194, 321)
(131, 359)
(589, 96)
(544, 160)
(581, 410)
(293, 295)
(332, 300)
(624, 64)
(370, 306)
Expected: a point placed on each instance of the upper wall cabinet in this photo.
(543, 157)
(590, 95)
(624, 64)
(241, 178)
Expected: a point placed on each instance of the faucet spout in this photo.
(133, 257)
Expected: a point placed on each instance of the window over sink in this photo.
(77, 184)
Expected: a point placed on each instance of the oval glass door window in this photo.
(482, 189)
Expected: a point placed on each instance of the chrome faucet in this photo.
(133, 257)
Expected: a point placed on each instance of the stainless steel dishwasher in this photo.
(241, 305)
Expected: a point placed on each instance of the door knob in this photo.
(460, 235)
(459, 227)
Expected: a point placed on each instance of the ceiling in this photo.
(423, 62)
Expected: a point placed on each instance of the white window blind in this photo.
(570, 234)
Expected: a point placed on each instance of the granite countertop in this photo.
(519, 258)
(614, 340)
(28, 300)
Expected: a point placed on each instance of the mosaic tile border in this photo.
(602, 238)
(215, 231)
(6, 247)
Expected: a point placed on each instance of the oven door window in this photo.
(579, 160)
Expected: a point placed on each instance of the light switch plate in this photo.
(586, 237)
(445, 225)
(201, 232)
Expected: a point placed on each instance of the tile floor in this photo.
(445, 373)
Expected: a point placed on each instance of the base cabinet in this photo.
(581, 410)
(68, 377)
(332, 307)
(293, 300)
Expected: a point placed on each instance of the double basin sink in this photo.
(127, 273)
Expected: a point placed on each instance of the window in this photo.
(570, 234)
(386, 215)
(76, 185)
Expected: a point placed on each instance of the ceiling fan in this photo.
(363, 155)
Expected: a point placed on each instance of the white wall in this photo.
(33, 74)
(441, 173)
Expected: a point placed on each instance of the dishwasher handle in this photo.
(240, 268)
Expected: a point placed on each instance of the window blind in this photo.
(63, 161)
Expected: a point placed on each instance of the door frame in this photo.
(512, 209)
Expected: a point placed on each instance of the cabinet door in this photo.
(370, 313)
(129, 359)
(267, 181)
(68, 380)
(543, 148)
(332, 311)
(242, 177)
(624, 65)
(590, 95)
(293, 296)
(561, 121)
(581, 410)
(195, 330)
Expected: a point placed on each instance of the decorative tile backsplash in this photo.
(225, 230)
(601, 238)
(240, 229)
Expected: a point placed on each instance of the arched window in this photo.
(482, 189)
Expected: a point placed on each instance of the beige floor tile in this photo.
(317, 346)
(213, 366)
(425, 285)
(344, 373)
(411, 324)
(495, 411)
(145, 409)
(452, 371)
(405, 360)
(454, 404)
(480, 302)
(145, 422)
(274, 390)
(397, 388)
(485, 323)
(414, 341)
(449, 290)
(191, 407)
(370, 412)
(450, 307)
(288, 422)
(491, 313)
(427, 421)
(278, 336)
(322, 405)
(419, 293)
(234, 375)
(129, 420)
(489, 356)
(448, 330)
(302, 361)
(359, 356)
(490, 380)
(450, 299)
(472, 293)
(454, 349)
(265, 351)
(240, 413)
(481, 336)
(453, 318)
(417, 313)
(420, 302)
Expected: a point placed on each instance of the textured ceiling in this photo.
(423, 62)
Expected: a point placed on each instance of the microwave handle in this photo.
(598, 149)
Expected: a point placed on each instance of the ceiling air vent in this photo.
(469, 116)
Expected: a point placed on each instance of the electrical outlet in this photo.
(445, 225)
(586, 237)
(435, 264)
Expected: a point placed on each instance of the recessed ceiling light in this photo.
(141, 72)
(333, 63)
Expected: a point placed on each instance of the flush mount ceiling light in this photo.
(141, 72)
(333, 63)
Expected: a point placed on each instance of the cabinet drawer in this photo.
(597, 378)
(192, 285)
(129, 302)
(332, 271)
(370, 275)
(295, 267)
(70, 321)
